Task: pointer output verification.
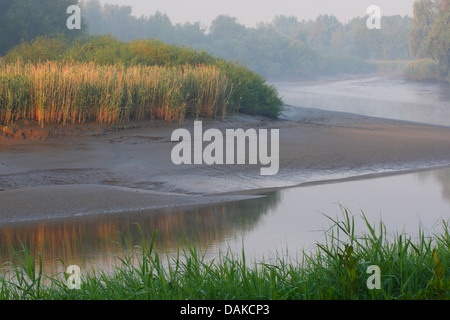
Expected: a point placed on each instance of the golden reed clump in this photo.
(75, 92)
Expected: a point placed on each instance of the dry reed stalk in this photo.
(56, 92)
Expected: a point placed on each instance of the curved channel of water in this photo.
(378, 96)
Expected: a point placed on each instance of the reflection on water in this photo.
(282, 223)
(442, 176)
(95, 240)
(375, 96)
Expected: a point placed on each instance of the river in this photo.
(377, 96)
(283, 222)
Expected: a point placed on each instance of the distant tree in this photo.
(92, 10)
(367, 44)
(389, 43)
(226, 27)
(24, 20)
(299, 59)
(322, 30)
(288, 26)
(438, 41)
(227, 39)
(159, 26)
(119, 21)
(338, 40)
(396, 30)
(190, 34)
(424, 16)
(283, 46)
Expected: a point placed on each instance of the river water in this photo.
(377, 96)
(282, 223)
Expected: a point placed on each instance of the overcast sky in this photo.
(250, 12)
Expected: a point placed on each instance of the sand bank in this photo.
(89, 169)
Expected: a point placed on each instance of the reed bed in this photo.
(77, 92)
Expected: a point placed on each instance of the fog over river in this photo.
(377, 96)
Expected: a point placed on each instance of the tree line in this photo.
(430, 35)
(24, 20)
(284, 46)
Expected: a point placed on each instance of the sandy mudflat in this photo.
(90, 169)
(77, 200)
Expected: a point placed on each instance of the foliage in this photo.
(430, 37)
(424, 18)
(422, 70)
(438, 40)
(24, 20)
(285, 46)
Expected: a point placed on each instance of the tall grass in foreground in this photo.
(337, 270)
(76, 92)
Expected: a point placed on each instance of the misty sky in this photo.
(250, 12)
